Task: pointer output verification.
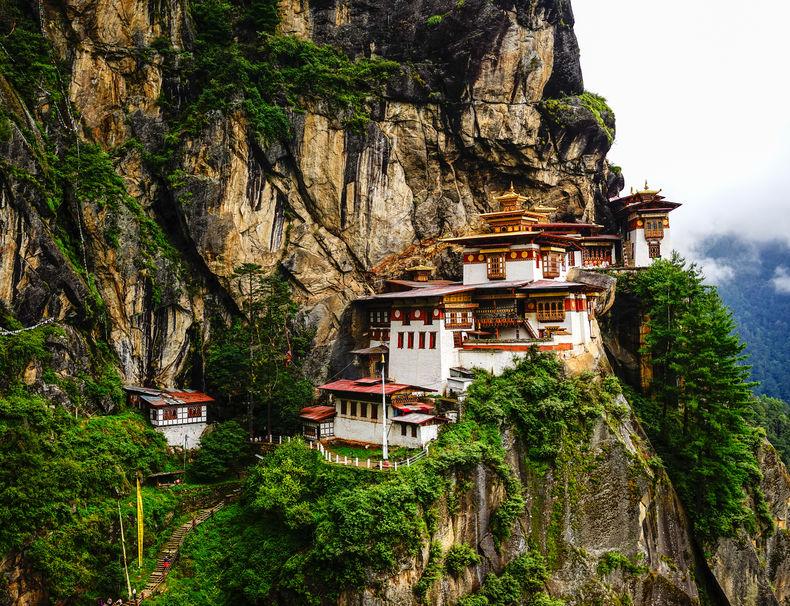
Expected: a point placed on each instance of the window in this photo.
(363, 410)
(428, 316)
(597, 255)
(194, 411)
(154, 414)
(496, 267)
(551, 310)
(422, 340)
(374, 411)
(411, 340)
(403, 429)
(343, 407)
(352, 409)
(551, 264)
(400, 340)
(413, 431)
(433, 340)
(654, 228)
(169, 414)
(654, 250)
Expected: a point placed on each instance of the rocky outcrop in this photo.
(756, 571)
(607, 498)
(461, 120)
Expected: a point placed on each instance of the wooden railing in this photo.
(331, 457)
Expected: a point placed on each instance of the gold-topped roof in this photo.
(510, 200)
(420, 267)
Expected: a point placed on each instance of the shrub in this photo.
(458, 558)
(222, 451)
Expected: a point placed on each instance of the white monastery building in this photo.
(515, 295)
(178, 414)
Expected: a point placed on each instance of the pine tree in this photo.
(701, 401)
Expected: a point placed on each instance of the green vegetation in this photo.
(699, 406)
(557, 110)
(238, 64)
(305, 531)
(257, 362)
(223, 451)
(614, 560)
(434, 20)
(521, 582)
(458, 558)
(774, 415)
(63, 510)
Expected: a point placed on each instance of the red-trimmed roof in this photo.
(317, 413)
(368, 386)
(189, 397)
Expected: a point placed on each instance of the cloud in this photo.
(781, 280)
(716, 272)
(694, 116)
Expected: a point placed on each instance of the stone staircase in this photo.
(171, 549)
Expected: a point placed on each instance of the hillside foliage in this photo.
(699, 408)
(305, 530)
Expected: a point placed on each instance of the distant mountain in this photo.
(754, 281)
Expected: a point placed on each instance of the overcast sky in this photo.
(701, 91)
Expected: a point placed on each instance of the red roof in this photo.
(368, 385)
(317, 413)
(189, 397)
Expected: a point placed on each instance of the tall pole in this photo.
(185, 453)
(123, 547)
(140, 531)
(384, 452)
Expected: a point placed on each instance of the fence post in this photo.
(345, 460)
(379, 465)
(288, 439)
(368, 463)
(281, 439)
(396, 466)
(356, 461)
(408, 462)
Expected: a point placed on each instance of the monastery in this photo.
(425, 336)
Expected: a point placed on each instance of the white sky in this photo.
(701, 91)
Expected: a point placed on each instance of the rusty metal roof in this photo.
(317, 413)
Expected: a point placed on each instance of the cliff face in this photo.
(604, 499)
(459, 121)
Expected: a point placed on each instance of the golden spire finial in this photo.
(511, 186)
(632, 189)
(646, 187)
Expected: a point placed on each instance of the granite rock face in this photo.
(460, 121)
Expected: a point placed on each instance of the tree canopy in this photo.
(699, 407)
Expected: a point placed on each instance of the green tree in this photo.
(699, 404)
(774, 415)
(222, 451)
(259, 359)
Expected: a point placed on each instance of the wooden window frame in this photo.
(410, 339)
(432, 340)
(400, 340)
(194, 412)
(654, 250)
(374, 411)
(550, 310)
(170, 414)
(344, 407)
(552, 263)
(422, 340)
(403, 429)
(413, 431)
(352, 408)
(363, 410)
(495, 266)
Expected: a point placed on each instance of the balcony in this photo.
(654, 234)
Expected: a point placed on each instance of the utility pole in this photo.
(384, 451)
(123, 548)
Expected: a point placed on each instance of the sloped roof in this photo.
(369, 385)
(317, 413)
